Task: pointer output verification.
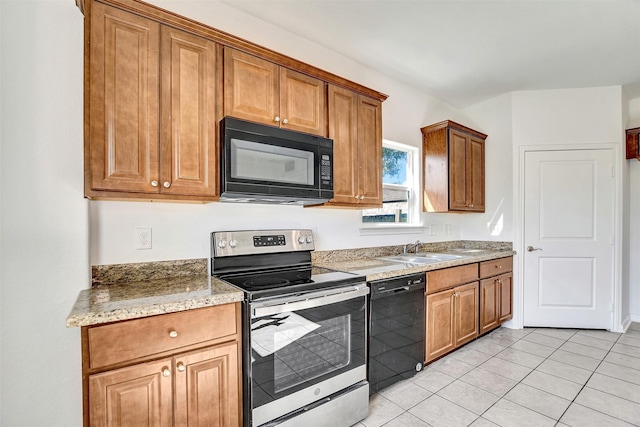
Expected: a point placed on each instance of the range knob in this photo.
(309, 239)
(222, 243)
(301, 239)
(233, 243)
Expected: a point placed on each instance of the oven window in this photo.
(295, 350)
(264, 162)
(319, 352)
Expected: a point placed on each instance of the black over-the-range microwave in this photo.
(267, 164)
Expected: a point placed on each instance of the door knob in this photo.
(531, 249)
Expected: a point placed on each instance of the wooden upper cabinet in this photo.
(370, 149)
(152, 123)
(261, 91)
(355, 125)
(122, 151)
(453, 168)
(158, 84)
(188, 138)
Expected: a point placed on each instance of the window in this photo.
(399, 184)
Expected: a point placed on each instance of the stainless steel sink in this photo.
(422, 258)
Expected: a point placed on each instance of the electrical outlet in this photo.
(143, 238)
(447, 229)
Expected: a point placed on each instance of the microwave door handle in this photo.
(305, 303)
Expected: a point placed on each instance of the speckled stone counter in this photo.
(131, 291)
(366, 261)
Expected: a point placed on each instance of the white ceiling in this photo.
(464, 52)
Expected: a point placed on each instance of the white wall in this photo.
(493, 117)
(44, 223)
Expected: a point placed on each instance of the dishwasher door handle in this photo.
(400, 288)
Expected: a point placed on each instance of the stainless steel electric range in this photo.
(304, 330)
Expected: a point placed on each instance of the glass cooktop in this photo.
(290, 280)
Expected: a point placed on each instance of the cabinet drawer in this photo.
(133, 339)
(496, 266)
(449, 277)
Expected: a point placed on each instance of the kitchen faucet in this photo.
(405, 248)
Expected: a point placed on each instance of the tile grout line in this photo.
(557, 422)
(585, 385)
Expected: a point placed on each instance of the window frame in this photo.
(414, 220)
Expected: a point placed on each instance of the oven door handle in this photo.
(302, 302)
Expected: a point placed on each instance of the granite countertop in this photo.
(131, 291)
(135, 296)
(377, 269)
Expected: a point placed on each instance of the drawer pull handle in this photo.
(173, 334)
(166, 372)
(181, 367)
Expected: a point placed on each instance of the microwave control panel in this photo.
(325, 169)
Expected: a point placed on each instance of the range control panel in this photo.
(251, 242)
(276, 240)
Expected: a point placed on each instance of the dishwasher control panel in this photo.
(398, 284)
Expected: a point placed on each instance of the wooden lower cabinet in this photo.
(197, 384)
(451, 319)
(496, 300)
(138, 395)
(206, 387)
(205, 384)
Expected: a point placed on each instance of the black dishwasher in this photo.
(396, 330)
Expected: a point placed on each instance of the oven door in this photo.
(305, 348)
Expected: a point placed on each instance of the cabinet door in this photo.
(250, 87)
(457, 170)
(506, 299)
(343, 129)
(475, 174)
(139, 395)
(489, 305)
(440, 324)
(435, 171)
(188, 139)
(370, 151)
(123, 121)
(303, 105)
(466, 313)
(207, 389)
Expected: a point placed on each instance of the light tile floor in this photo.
(517, 378)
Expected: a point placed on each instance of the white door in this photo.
(568, 238)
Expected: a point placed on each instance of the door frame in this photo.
(617, 323)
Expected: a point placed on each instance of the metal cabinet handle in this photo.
(285, 121)
(166, 372)
(276, 119)
(173, 334)
(166, 184)
(154, 183)
(181, 367)
(532, 249)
